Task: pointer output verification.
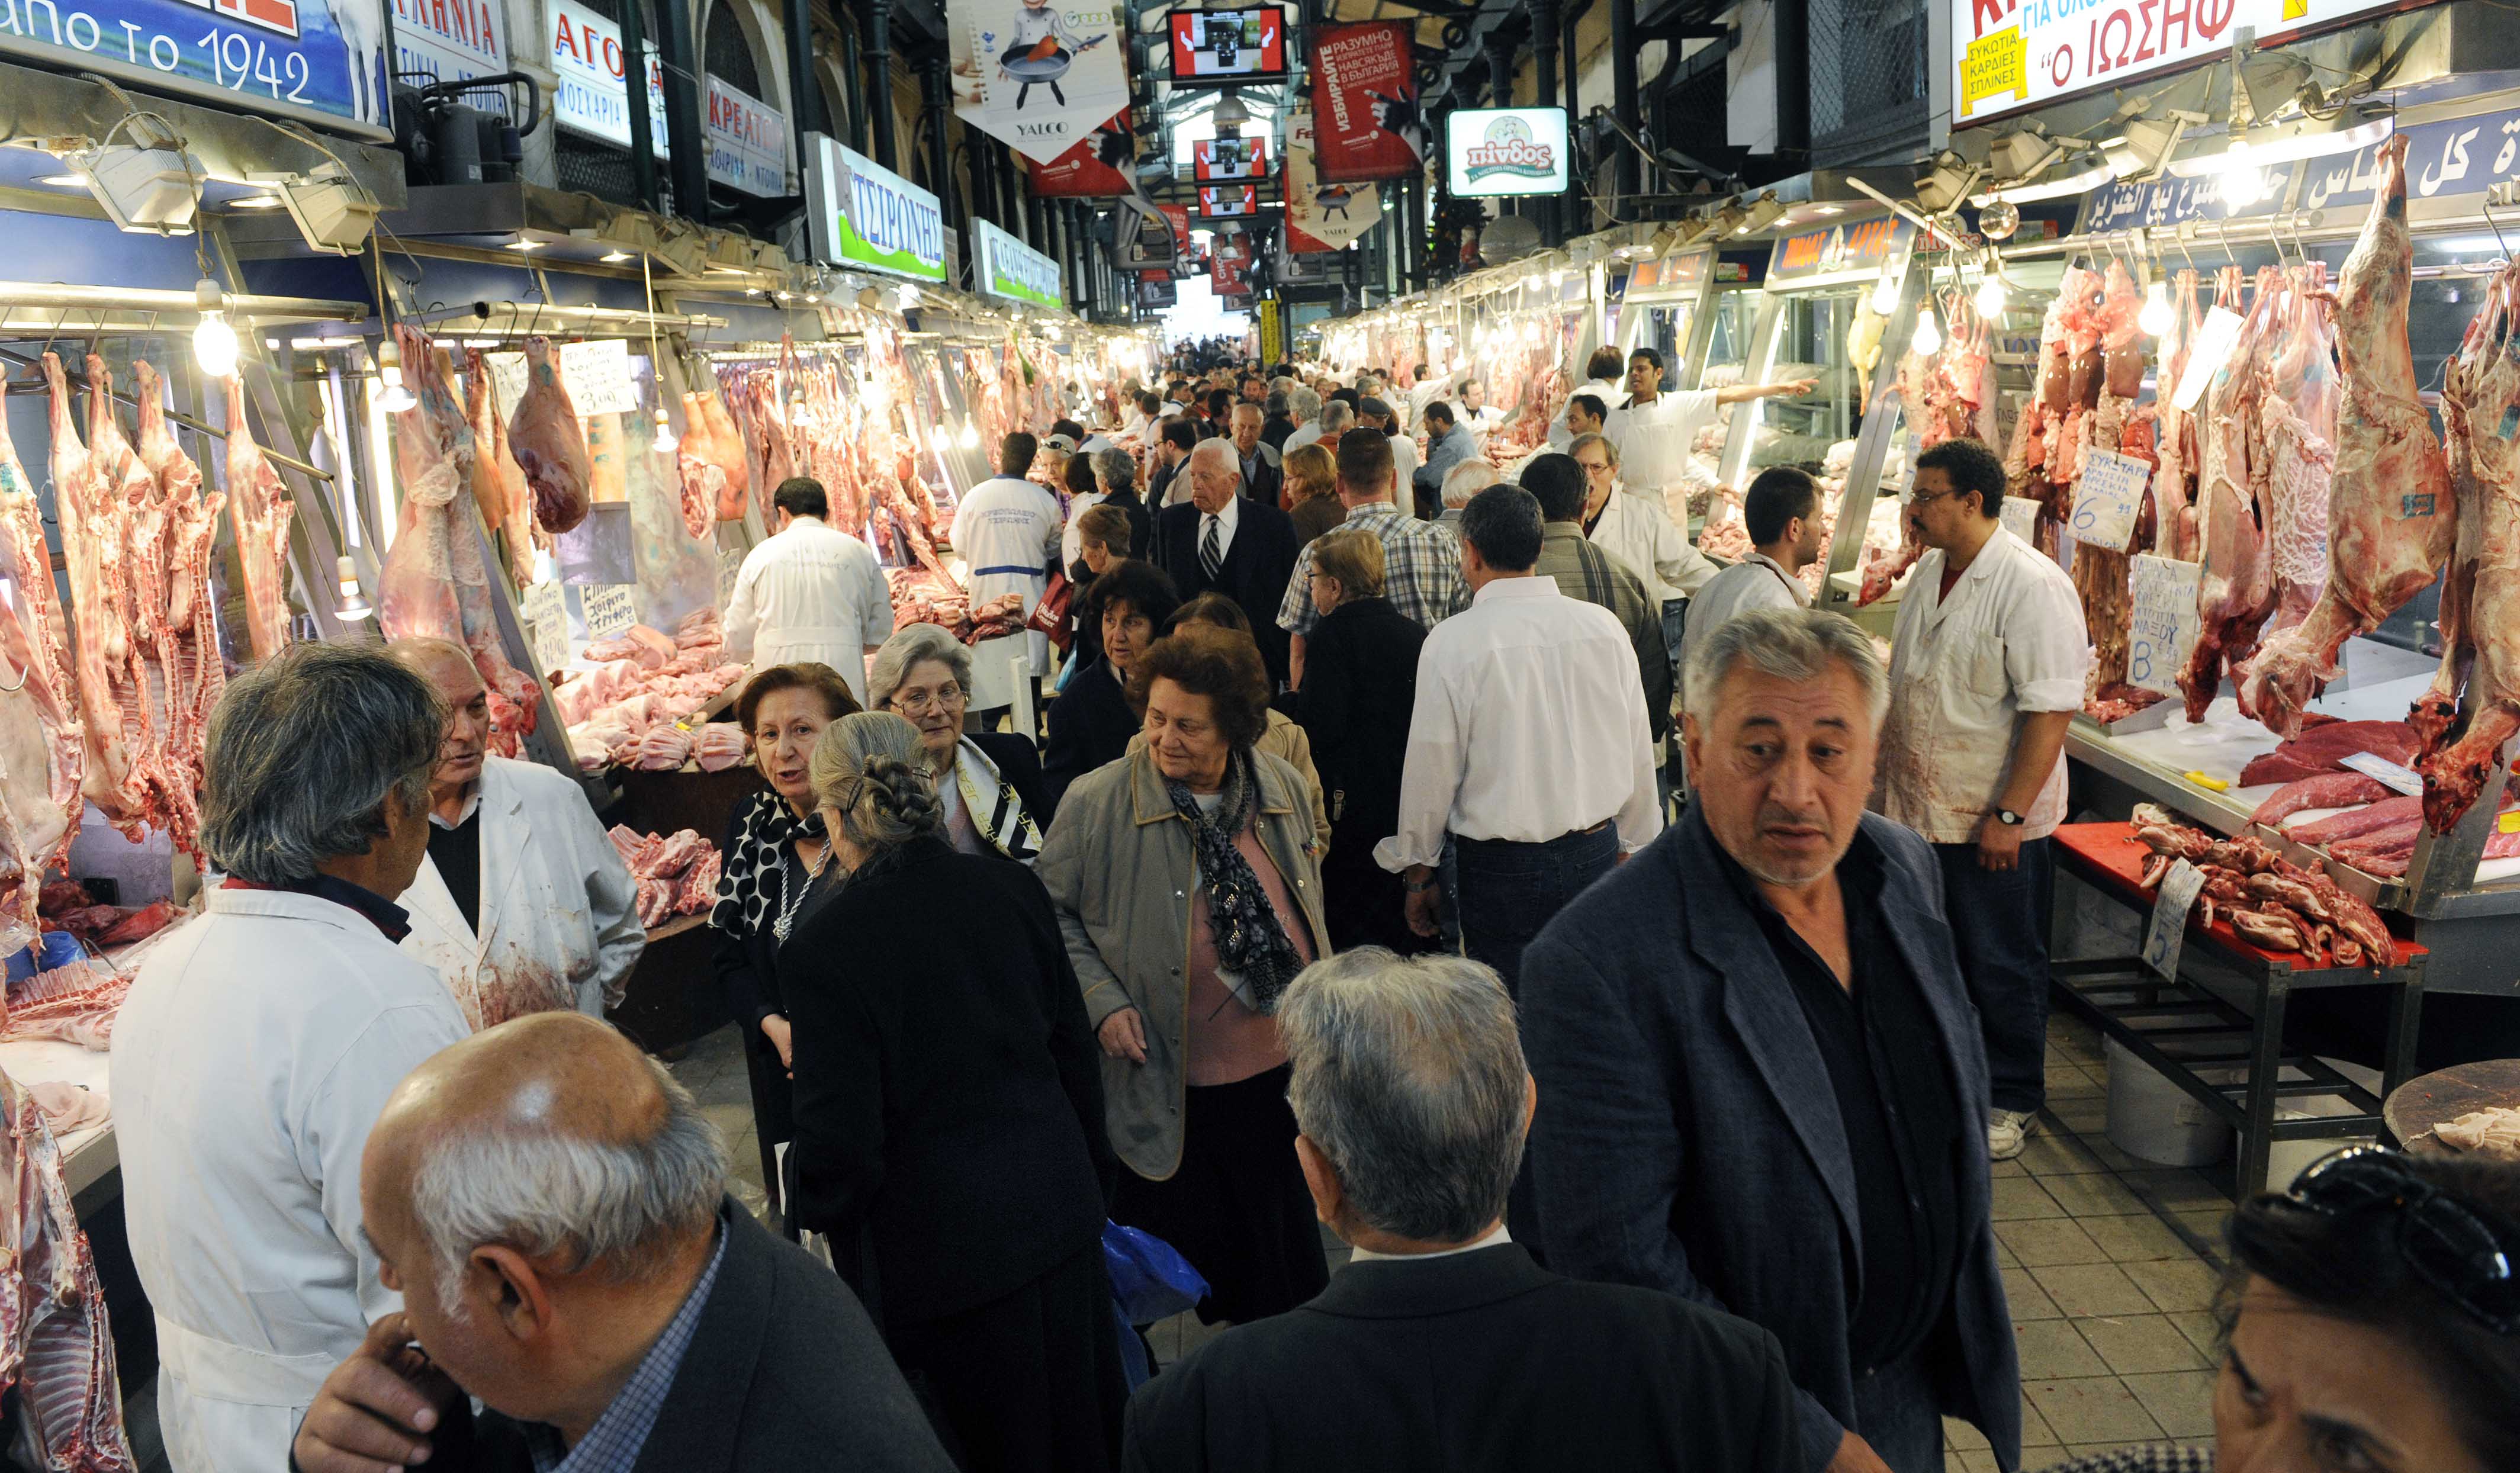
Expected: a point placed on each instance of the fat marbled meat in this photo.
(2391, 517)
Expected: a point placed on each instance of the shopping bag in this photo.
(1050, 615)
(1150, 1280)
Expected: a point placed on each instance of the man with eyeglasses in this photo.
(1638, 533)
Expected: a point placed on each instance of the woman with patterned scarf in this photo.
(989, 782)
(775, 853)
(1188, 881)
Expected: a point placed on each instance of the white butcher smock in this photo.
(811, 593)
(560, 916)
(1963, 669)
(1007, 532)
(250, 1062)
(1655, 440)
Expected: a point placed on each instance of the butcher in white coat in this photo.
(260, 1043)
(523, 904)
(1007, 532)
(810, 593)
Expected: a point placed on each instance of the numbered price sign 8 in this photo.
(2161, 627)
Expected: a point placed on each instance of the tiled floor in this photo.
(2110, 1263)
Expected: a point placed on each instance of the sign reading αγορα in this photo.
(592, 98)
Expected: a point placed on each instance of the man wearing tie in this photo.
(1227, 542)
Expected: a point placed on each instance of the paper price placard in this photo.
(2214, 342)
(2020, 516)
(611, 609)
(2169, 930)
(598, 376)
(508, 377)
(2162, 629)
(547, 615)
(730, 562)
(2108, 499)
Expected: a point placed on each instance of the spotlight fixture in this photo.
(1765, 210)
(2144, 150)
(256, 202)
(1999, 219)
(1948, 182)
(352, 603)
(613, 258)
(144, 190)
(667, 440)
(332, 210)
(214, 341)
(523, 243)
(2023, 154)
(1730, 220)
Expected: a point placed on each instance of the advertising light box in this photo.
(1224, 201)
(1507, 151)
(1229, 46)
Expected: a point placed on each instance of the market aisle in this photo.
(2111, 1264)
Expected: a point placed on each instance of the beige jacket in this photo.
(1117, 862)
(1290, 742)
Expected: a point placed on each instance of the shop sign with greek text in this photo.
(319, 62)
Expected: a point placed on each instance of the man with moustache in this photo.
(1760, 1083)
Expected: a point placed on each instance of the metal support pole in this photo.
(805, 89)
(936, 96)
(1626, 172)
(634, 72)
(687, 145)
(1543, 66)
(1499, 69)
(852, 57)
(1793, 84)
(879, 81)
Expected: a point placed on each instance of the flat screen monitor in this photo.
(1219, 159)
(1224, 201)
(1228, 47)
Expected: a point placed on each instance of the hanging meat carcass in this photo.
(2099, 572)
(111, 776)
(2236, 589)
(56, 1346)
(2297, 416)
(704, 480)
(179, 604)
(2173, 480)
(549, 444)
(2391, 517)
(260, 507)
(40, 736)
(499, 484)
(2480, 609)
(726, 447)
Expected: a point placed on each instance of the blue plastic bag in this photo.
(1150, 1280)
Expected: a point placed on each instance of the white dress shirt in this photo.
(1755, 582)
(809, 593)
(1530, 724)
(1655, 452)
(1614, 420)
(1072, 543)
(1006, 530)
(1495, 1237)
(1404, 458)
(1096, 443)
(1640, 535)
(1226, 521)
(2008, 640)
(1307, 433)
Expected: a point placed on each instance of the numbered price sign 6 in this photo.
(2109, 497)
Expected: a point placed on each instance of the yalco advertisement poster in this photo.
(1036, 74)
(1365, 102)
(1101, 166)
(319, 62)
(1321, 216)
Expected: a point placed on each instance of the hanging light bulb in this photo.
(971, 433)
(2155, 319)
(1929, 336)
(352, 603)
(1885, 294)
(1990, 294)
(666, 439)
(395, 398)
(214, 343)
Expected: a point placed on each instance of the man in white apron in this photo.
(1007, 532)
(1659, 428)
(260, 1040)
(524, 905)
(809, 593)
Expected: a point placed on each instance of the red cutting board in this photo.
(2108, 855)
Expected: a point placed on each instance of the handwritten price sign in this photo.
(2162, 630)
(2020, 516)
(2168, 933)
(548, 616)
(730, 562)
(611, 609)
(2110, 496)
(598, 376)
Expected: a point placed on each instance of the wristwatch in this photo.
(2007, 818)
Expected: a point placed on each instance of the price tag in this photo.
(2020, 516)
(508, 377)
(2388, 774)
(598, 376)
(611, 609)
(2205, 359)
(2107, 499)
(2169, 907)
(730, 561)
(2161, 630)
(547, 615)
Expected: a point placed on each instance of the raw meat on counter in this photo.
(720, 746)
(650, 649)
(2338, 790)
(676, 875)
(55, 1344)
(2325, 745)
(547, 441)
(611, 707)
(2355, 823)
(663, 749)
(69, 1109)
(67, 1004)
(2267, 899)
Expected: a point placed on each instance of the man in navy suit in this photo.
(1225, 541)
(1761, 1081)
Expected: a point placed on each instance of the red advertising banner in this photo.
(1179, 214)
(1231, 267)
(1365, 102)
(1101, 166)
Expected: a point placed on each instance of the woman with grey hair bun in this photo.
(988, 783)
(949, 1117)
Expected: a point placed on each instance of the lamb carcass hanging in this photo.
(2236, 590)
(260, 506)
(549, 444)
(56, 1346)
(40, 736)
(2391, 517)
(111, 775)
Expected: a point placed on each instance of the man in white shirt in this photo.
(1602, 371)
(809, 592)
(1661, 429)
(261, 1039)
(1987, 663)
(1376, 413)
(1430, 388)
(1636, 531)
(1783, 510)
(1529, 746)
(1008, 531)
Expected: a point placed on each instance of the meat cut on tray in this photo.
(2266, 899)
(2323, 746)
(676, 875)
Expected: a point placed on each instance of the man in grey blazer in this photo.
(1761, 1082)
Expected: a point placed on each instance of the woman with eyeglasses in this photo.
(2371, 1325)
(988, 783)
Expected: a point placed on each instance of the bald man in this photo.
(1224, 541)
(552, 1207)
(523, 904)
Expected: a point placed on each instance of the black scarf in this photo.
(1249, 940)
(744, 894)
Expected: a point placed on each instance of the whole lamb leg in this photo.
(2483, 382)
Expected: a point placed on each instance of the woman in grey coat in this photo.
(1186, 877)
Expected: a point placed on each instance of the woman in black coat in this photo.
(775, 849)
(949, 1118)
(1360, 689)
(1091, 723)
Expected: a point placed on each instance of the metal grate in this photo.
(727, 55)
(595, 168)
(1867, 81)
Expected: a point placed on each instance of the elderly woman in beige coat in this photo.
(1186, 876)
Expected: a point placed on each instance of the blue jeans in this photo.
(2000, 928)
(1507, 891)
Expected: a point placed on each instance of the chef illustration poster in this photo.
(1322, 216)
(1101, 166)
(1036, 74)
(1365, 102)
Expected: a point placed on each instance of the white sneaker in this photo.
(2007, 1132)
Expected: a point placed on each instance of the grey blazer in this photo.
(1688, 1140)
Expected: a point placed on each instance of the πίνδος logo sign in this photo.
(1509, 148)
